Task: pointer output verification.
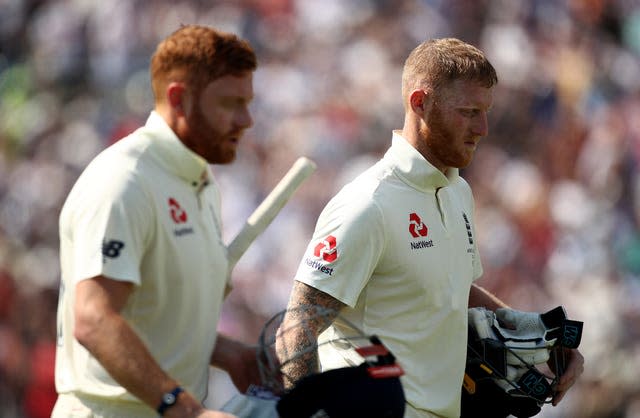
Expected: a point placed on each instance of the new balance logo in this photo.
(111, 249)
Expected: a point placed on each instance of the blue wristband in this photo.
(169, 399)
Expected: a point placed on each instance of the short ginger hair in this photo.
(197, 55)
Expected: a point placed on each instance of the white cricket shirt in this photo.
(145, 211)
(398, 246)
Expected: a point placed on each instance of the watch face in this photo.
(169, 398)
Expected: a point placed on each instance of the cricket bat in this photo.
(264, 214)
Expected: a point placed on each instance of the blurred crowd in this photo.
(557, 181)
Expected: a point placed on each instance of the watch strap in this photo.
(169, 399)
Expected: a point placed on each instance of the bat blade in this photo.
(264, 214)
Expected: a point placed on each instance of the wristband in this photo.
(169, 399)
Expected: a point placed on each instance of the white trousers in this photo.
(71, 406)
(411, 412)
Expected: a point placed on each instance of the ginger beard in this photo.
(205, 139)
(445, 141)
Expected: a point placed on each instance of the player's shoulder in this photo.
(362, 196)
(130, 150)
(122, 158)
(371, 180)
(116, 171)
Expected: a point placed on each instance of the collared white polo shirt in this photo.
(145, 211)
(398, 246)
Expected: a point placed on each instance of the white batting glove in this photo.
(526, 348)
(519, 325)
(482, 320)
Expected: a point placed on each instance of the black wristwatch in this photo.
(169, 399)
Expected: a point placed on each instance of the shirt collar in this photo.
(173, 154)
(414, 169)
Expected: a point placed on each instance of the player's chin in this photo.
(463, 161)
(229, 158)
(226, 156)
(467, 156)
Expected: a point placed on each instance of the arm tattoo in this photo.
(300, 329)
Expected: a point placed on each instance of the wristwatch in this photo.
(169, 399)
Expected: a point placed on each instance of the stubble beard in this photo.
(209, 142)
(443, 142)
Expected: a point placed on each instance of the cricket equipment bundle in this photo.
(370, 389)
(504, 348)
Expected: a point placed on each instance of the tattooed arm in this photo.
(299, 339)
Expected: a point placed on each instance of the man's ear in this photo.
(419, 101)
(177, 97)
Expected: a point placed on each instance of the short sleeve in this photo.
(346, 247)
(109, 223)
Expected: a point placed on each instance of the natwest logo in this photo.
(416, 228)
(327, 249)
(178, 214)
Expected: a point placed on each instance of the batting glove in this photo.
(525, 348)
(519, 325)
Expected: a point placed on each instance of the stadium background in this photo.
(556, 182)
